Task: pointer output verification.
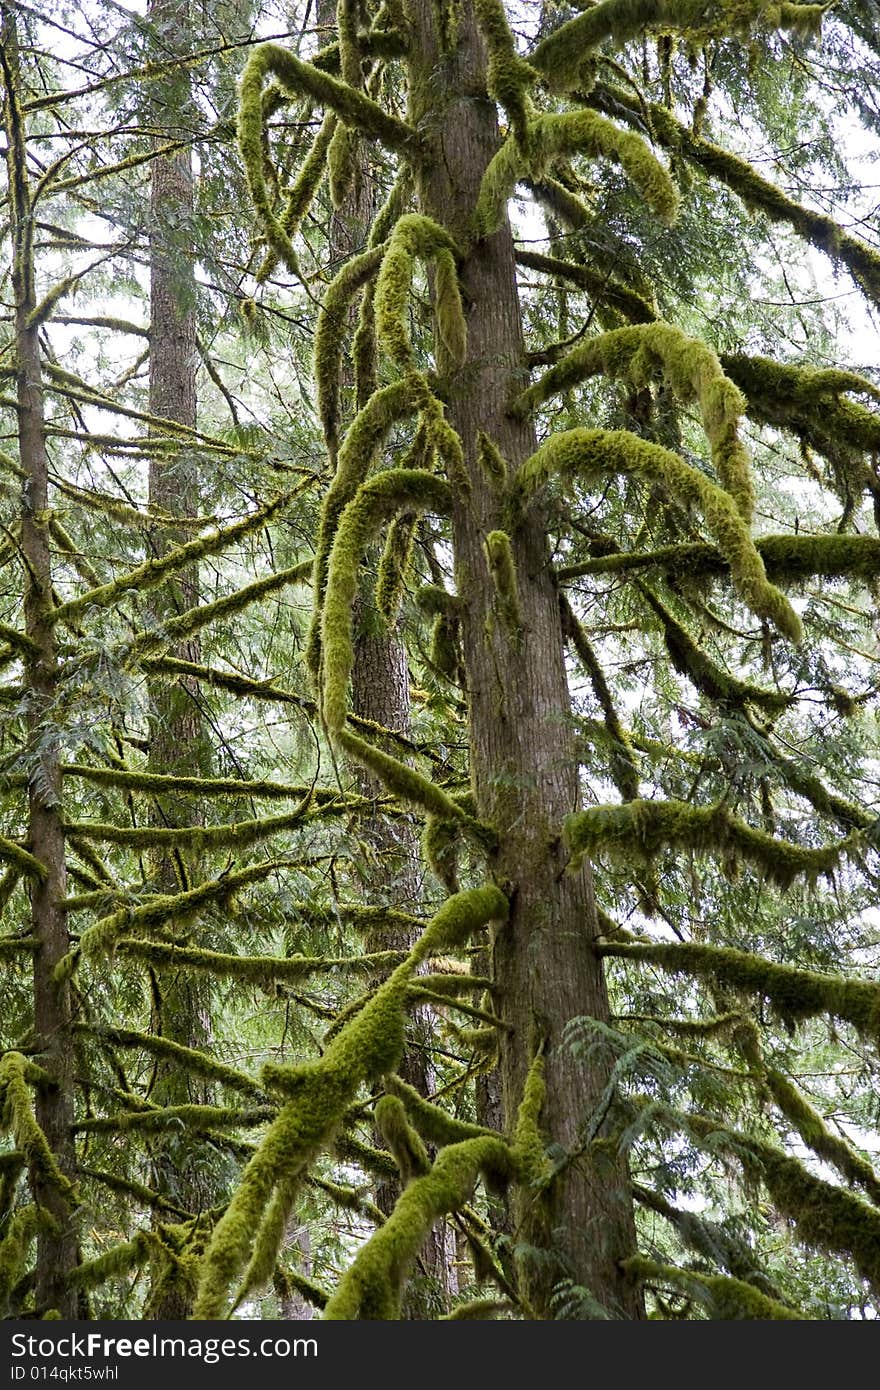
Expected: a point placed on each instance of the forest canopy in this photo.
(439, 511)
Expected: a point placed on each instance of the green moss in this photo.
(592, 453)
(21, 860)
(563, 54)
(114, 1263)
(331, 334)
(17, 1117)
(342, 154)
(416, 237)
(394, 564)
(601, 286)
(194, 619)
(528, 1142)
(723, 1296)
(816, 1135)
(302, 193)
(645, 352)
(822, 231)
(404, 781)
(372, 1286)
(189, 1059)
(794, 994)
(409, 1152)
(639, 830)
(690, 660)
(161, 908)
(293, 75)
(550, 138)
(19, 1233)
(368, 1046)
(376, 501)
(508, 76)
(499, 557)
(363, 440)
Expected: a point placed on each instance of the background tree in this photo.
(645, 569)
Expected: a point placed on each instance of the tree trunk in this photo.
(177, 736)
(380, 692)
(523, 760)
(56, 1248)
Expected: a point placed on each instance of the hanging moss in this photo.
(301, 194)
(196, 1118)
(562, 55)
(190, 1059)
(508, 76)
(724, 1297)
(435, 1125)
(499, 557)
(17, 1075)
(816, 1135)
(585, 132)
(644, 352)
(528, 1142)
(592, 453)
(201, 838)
(639, 830)
(809, 401)
(409, 1152)
(342, 154)
(394, 564)
(265, 971)
(159, 784)
(18, 1235)
(161, 908)
(822, 231)
(602, 287)
(368, 1046)
(22, 861)
(375, 502)
(372, 1286)
(331, 333)
(408, 784)
(477, 1310)
(155, 571)
(689, 659)
(114, 1263)
(301, 78)
(416, 237)
(794, 994)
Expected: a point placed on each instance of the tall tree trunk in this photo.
(56, 1247)
(177, 735)
(380, 692)
(523, 761)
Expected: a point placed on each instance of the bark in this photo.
(380, 692)
(523, 759)
(56, 1250)
(177, 736)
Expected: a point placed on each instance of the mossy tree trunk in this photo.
(52, 1039)
(523, 760)
(178, 742)
(380, 692)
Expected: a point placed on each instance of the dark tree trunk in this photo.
(177, 737)
(523, 760)
(56, 1249)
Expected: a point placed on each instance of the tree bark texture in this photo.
(524, 765)
(53, 1051)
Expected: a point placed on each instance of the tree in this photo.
(570, 427)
